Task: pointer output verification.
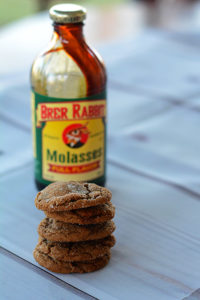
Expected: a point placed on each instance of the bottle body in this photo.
(69, 110)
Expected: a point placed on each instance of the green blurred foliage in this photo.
(11, 10)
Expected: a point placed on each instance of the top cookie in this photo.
(61, 196)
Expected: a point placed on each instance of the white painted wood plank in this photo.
(15, 147)
(157, 63)
(172, 134)
(127, 109)
(157, 253)
(150, 163)
(15, 100)
(20, 280)
(194, 296)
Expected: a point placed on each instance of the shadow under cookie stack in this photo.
(76, 235)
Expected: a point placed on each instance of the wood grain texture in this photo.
(153, 172)
(194, 296)
(155, 237)
(22, 280)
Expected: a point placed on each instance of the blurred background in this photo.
(120, 17)
(108, 20)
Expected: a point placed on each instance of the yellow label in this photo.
(72, 139)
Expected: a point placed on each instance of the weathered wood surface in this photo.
(153, 172)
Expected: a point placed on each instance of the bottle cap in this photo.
(67, 13)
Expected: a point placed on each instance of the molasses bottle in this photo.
(68, 104)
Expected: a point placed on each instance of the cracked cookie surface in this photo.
(90, 215)
(54, 230)
(61, 196)
(70, 267)
(77, 251)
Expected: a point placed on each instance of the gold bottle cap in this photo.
(67, 13)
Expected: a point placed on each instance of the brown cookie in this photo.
(58, 231)
(70, 267)
(80, 251)
(90, 215)
(61, 196)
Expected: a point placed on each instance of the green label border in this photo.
(43, 98)
(38, 132)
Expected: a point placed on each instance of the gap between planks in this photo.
(115, 163)
(129, 89)
(46, 274)
(154, 178)
(195, 295)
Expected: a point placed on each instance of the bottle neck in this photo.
(69, 31)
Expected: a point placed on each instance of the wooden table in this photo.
(153, 169)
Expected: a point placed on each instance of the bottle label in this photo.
(68, 138)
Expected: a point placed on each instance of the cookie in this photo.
(58, 231)
(61, 196)
(90, 215)
(59, 266)
(78, 251)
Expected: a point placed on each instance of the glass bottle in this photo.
(68, 104)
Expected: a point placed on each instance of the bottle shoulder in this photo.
(56, 52)
(78, 71)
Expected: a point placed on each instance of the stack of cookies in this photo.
(76, 235)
